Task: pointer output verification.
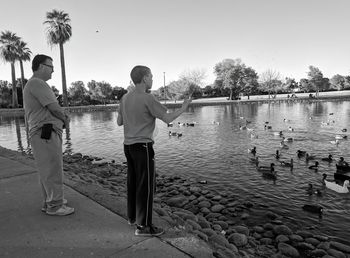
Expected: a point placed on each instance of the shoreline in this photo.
(187, 207)
(260, 99)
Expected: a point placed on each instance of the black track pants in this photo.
(140, 182)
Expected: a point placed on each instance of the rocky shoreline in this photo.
(189, 206)
(197, 221)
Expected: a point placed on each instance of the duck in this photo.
(190, 124)
(336, 142)
(268, 171)
(344, 130)
(267, 122)
(242, 127)
(267, 127)
(342, 163)
(325, 123)
(290, 129)
(266, 168)
(287, 164)
(289, 139)
(331, 114)
(301, 153)
(286, 120)
(277, 155)
(341, 137)
(170, 124)
(216, 122)
(252, 150)
(310, 189)
(172, 133)
(329, 159)
(313, 208)
(179, 134)
(279, 133)
(314, 167)
(181, 124)
(335, 187)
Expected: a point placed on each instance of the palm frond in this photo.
(58, 28)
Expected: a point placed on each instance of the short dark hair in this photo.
(38, 60)
(138, 72)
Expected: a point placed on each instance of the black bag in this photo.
(46, 131)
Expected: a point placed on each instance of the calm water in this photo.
(218, 153)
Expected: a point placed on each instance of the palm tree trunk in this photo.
(14, 88)
(22, 79)
(231, 93)
(64, 83)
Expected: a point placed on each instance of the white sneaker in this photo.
(44, 208)
(62, 211)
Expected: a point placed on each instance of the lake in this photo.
(215, 149)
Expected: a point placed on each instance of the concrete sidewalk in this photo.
(92, 231)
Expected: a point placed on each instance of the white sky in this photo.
(172, 36)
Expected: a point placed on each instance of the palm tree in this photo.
(58, 32)
(8, 52)
(23, 53)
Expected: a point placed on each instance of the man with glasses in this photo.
(46, 120)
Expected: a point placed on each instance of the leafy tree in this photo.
(250, 82)
(316, 79)
(77, 91)
(222, 68)
(195, 76)
(234, 81)
(290, 84)
(118, 92)
(338, 82)
(100, 90)
(193, 90)
(58, 32)
(270, 81)
(208, 91)
(9, 53)
(305, 85)
(240, 79)
(5, 94)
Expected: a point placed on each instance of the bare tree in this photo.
(270, 80)
(194, 76)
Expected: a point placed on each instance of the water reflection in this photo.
(217, 152)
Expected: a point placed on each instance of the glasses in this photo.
(51, 66)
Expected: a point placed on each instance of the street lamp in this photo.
(164, 88)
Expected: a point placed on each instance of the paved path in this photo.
(92, 231)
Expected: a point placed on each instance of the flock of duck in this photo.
(342, 167)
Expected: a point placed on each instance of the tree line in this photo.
(233, 77)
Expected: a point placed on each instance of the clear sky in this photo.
(175, 35)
